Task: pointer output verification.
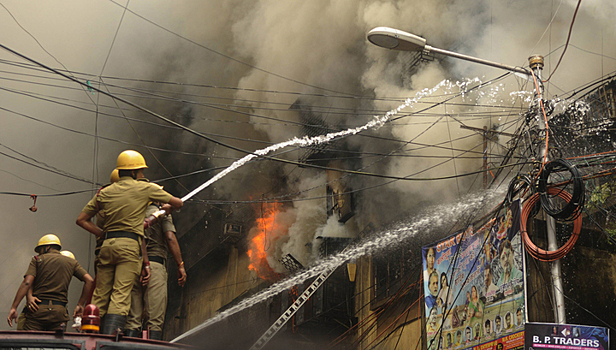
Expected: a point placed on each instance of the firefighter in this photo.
(123, 255)
(32, 301)
(49, 275)
(100, 219)
(153, 297)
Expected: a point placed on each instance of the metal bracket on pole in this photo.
(286, 316)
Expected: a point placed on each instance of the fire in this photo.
(266, 228)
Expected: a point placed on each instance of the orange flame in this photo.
(266, 226)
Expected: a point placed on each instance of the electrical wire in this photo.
(574, 206)
(41, 46)
(44, 195)
(183, 84)
(52, 99)
(61, 173)
(567, 42)
(207, 137)
(224, 136)
(226, 56)
(534, 250)
(30, 181)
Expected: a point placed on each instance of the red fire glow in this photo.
(266, 227)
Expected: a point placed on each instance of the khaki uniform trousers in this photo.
(48, 317)
(149, 302)
(21, 320)
(118, 266)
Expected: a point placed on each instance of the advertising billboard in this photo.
(474, 287)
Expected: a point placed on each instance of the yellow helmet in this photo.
(68, 254)
(48, 239)
(115, 176)
(130, 160)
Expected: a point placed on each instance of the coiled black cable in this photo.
(573, 208)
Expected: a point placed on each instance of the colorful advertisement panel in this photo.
(474, 287)
(565, 336)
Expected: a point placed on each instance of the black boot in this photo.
(112, 323)
(156, 335)
(132, 333)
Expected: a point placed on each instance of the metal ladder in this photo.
(286, 316)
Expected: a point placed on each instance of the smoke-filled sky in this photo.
(253, 60)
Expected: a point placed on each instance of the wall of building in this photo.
(389, 325)
(212, 283)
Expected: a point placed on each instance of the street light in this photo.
(395, 39)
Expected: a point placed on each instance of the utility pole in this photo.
(536, 64)
(485, 156)
(487, 136)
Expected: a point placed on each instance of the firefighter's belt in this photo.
(51, 302)
(157, 259)
(122, 234)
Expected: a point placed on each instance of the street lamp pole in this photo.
(395, 39)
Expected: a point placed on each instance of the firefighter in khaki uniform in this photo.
(120, 259)
(161, 239)
(50, 274)
(100, 219)
(32, 301)
(100, 222)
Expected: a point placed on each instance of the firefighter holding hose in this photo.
(123, 255)
(153, 297)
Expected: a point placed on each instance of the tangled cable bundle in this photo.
(517, 184)
(575, 201)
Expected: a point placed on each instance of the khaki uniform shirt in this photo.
(52, 274)
(157, 243)
(100, 222)
(123, 204)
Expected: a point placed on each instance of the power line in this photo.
(223, 55)
(326, 109)
(567, 42)
(30, 181)
(184, 84)
(233, 147)
(422, 145)
(44, 195)
(61, 173)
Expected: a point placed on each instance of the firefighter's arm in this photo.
(32, 301)
(145, 269)
(85, 221)
(85, 293)
(175, 202)
(174, 247)
(21, 292)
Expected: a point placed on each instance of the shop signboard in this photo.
(545, 336)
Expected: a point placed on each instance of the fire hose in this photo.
(152, 219)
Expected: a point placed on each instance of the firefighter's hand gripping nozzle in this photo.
(152, 219)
